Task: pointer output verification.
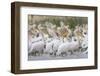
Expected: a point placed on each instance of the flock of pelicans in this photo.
(52, 40)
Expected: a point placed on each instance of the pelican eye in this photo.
(85, 33)
(37, 35)
(75, 40)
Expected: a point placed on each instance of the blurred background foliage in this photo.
(68, 20)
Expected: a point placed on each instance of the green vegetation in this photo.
(68, 20)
